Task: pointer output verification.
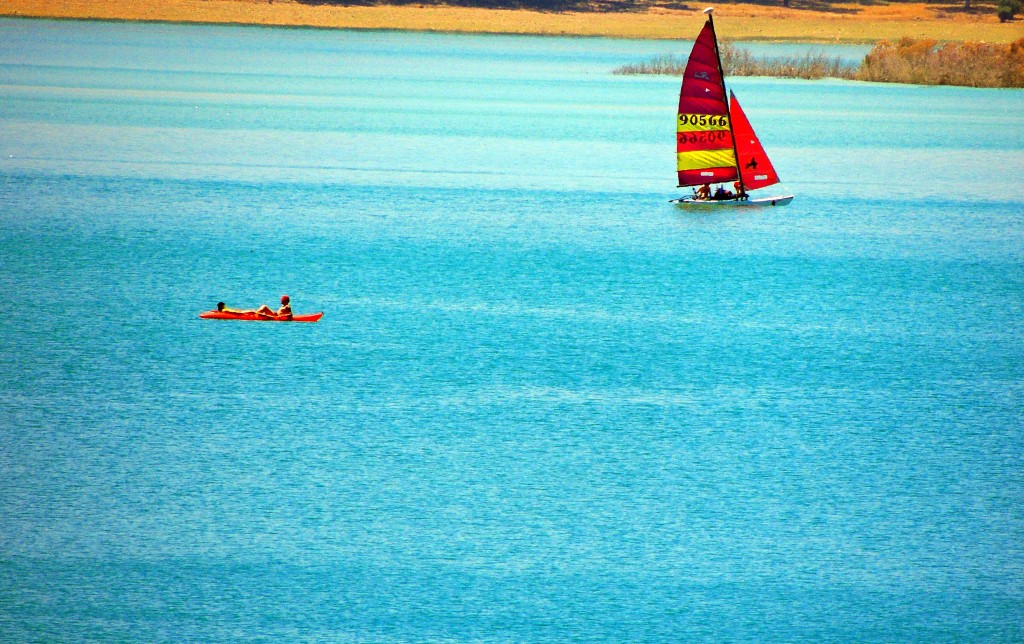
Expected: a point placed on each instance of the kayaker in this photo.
(285, 312)
(224, 309)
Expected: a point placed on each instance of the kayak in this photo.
(252, 317)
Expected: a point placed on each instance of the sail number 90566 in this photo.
(691, 122)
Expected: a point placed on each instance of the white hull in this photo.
(751, 202)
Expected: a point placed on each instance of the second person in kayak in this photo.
(283, 313)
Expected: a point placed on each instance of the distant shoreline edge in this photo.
(862, 24)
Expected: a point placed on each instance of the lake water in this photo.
(543, 404)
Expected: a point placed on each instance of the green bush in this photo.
(1008, 9)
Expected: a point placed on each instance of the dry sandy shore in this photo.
(860, 23)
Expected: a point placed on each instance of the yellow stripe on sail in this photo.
(701, 123)
(706, 159)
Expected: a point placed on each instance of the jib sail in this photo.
(755, 168)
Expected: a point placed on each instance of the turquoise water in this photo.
(543, 404)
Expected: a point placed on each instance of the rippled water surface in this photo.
(543, 404)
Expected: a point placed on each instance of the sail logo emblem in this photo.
(702, 75)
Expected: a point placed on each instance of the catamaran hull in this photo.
(753, 202)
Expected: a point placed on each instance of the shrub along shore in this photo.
(803, 21)
(925, 62)
(918, 62)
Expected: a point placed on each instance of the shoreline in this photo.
(852, 24)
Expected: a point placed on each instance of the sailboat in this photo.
(715, 143)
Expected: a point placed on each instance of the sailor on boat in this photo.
(721, 194)
(738, 187)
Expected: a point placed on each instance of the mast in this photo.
(711, 20)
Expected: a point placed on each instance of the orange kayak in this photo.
(252, 317)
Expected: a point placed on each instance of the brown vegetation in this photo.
(740, 62)
(926, 62)
(917, 62)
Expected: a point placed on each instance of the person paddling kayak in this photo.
(283, 313)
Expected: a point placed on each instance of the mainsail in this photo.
(705, 151)
(714, 140)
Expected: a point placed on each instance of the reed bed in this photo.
(927, 62)
(740, 62)
(812, 65)
(916, 62)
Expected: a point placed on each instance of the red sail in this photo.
(704, 145)
(756, 169)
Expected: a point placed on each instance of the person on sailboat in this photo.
(704, 192)
(722, 194)
(284, 313)
(740, 192)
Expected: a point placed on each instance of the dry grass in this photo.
(658, 19)
(926, 62)
(918, 62)
(740, 62)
